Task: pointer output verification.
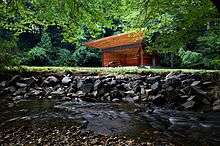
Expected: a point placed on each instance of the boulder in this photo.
(115, 100)
(173, 81)
(10, 89)
(195, 83)
(153, 79)
(216, 105)
(29, 81)
(131, 92)
(155, 86)
(97, 84)
(51, 80)
(66, 80)
(13, 80)
(189, 104)
(136, 98)
(21, 85)
(3, 84)
(148, 91)
(17, 97)
(199, 91)
(58, 92)
(128, 99)
(158, 100)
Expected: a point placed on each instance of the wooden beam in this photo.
(141, 55)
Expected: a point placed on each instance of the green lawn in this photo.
(110, 70)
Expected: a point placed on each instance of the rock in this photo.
(19, 92)
(129, 92)
(189, 104)
(59, 91)
(182, 76)
(10, 89)
(87, 88)
(195, 83)
(36, 92)
(113, 82)
(153, 79)
(206, 83)
(66, 80)
(97, 84)
(10, 105)
(217, 102)
(158, 100)
(171, 74)
(155, 86)
(95, 93)
(169, 89)
(17, 97)
(3, 84)
(80, 93)
(51, 80)
(66, 98)
(173, 81)
(216, 108)
(29, 81)
(191, 98)
(142, 90)
(115, 100)
(136, 98)
(184, 96)
(187, 82)
(148, 92)
(216, 105)
(13, 80)
(128, 99)
(199, 91)
(21, 85)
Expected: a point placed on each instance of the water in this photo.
(180, 127)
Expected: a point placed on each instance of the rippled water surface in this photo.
(123, 119)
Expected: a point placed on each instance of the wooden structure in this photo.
(125, 49)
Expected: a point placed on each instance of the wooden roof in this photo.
(117, 40)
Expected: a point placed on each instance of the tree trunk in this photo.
(171, 60)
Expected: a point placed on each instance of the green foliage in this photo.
(215, 64)
(45, 42)
(37, 56)
(190, 59)
(7, 55)
(64, 58)
(87, 57)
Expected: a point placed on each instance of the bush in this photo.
(215, 64)
(7, 55)
(87, 57)
(64, 58)
(191, 59)
(37, 56)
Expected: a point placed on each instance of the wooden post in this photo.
(141, 55)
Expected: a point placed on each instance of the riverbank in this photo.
(174, 90)
(59, 108)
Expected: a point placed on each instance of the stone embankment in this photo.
(179, 91)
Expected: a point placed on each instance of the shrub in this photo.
(87, 57)
(215, 64)
(64, 58)
(37, 56)
(190, 59)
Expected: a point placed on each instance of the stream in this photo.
(180, 127)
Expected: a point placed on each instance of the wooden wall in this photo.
(126, 55)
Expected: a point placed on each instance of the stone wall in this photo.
(174, 90)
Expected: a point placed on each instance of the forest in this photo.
(186, 33)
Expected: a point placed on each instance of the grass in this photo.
(109, 70)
